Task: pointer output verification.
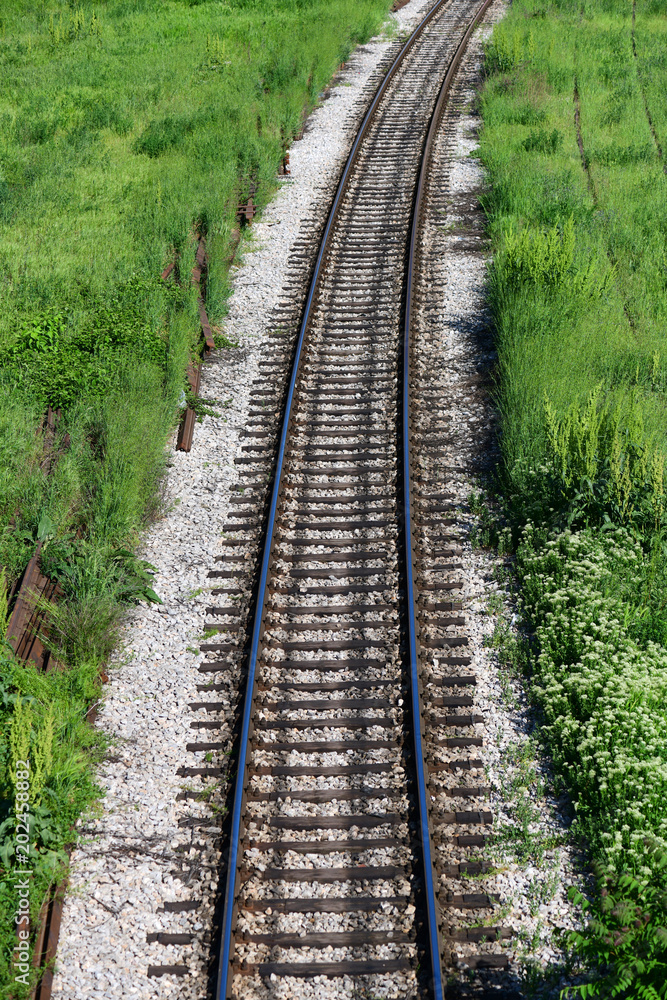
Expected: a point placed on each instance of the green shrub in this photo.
(82, 570)
(547, 259)
(626, 934)
(525, 114)
(42, 718)
(532, 255)
(53, 363)
(614, 154)
(508, 48)
(165, 134)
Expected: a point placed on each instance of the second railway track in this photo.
(348, 856)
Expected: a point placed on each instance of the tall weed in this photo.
(601, 466)
(42, 719)
(544, 258)
(547, 258)
(508, 48)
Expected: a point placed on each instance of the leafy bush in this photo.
(34, 128)
(164, 134)
(42, 717)
(92, 114)
(626, 934)
(55, 363)
(82, 570)
(546, 259)
(613, 153)
(528, 114)
(97, 585)
(532, 255)
(507, 49)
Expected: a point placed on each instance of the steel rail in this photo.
(433, 909)
(232, 880)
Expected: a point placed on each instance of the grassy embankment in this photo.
(577, 211)
(125, 128)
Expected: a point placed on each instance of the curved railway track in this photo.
(348, 852)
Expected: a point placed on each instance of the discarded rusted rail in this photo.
(34, 588)
(198, 278)
(24, 635)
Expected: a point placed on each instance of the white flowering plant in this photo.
(602, 691)
(593, 602)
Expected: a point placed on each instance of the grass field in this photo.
(127, 127)
(575, 134)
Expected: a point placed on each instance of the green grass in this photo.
(577, 210)
(565, 337)
(127, 128)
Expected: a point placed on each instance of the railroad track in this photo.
(350, 856)
(357, 808)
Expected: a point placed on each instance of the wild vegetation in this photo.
(127, 128)
(574, 139)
